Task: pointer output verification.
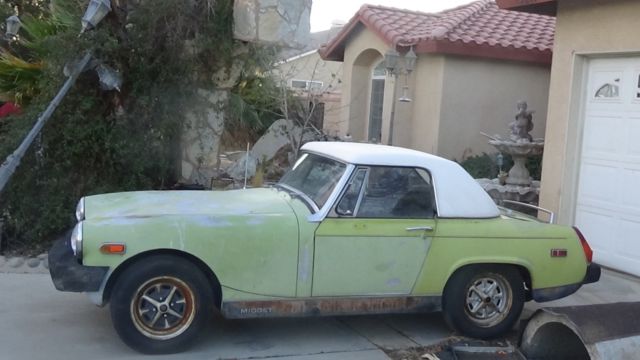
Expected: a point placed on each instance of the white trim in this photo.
(579, 94)
(294, 58)
(308, 84)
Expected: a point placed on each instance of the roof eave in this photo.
(542, 7)
(536, 56)
(334, 50)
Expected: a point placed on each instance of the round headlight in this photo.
(80, 210)
(76, 240)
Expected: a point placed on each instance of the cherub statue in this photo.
(523, 124)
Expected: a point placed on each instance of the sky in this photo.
(323, 12)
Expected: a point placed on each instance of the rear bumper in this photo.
(68, 275)
(548, 294)
(593, 274)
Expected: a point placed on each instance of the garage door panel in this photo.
(628, 245)
(602, 141)
(591, 187)
(630, 189)
(596, 226)
(632, 140)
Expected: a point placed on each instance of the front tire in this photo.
(484, 301)
(160, 304)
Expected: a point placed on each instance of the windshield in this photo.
(314, 176)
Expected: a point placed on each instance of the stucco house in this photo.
(591, 167)
(474, 63)
(314, 79)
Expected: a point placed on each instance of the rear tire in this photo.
(484, 301)
(161, 304)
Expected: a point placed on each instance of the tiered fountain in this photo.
(518, 185)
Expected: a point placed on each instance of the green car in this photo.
(350, 229)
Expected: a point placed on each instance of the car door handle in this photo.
(420, 228)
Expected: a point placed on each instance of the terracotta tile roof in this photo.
(477, 29)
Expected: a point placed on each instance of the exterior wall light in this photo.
(391, 61)
(13, 26)
(410, 59)
(405, 95)
(96, 11)
(109, 78)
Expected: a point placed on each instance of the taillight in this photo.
(588, 253)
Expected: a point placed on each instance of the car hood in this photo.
(167, 203)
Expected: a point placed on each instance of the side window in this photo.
(397, 193)
(351, 198)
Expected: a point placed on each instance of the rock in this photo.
(187, 170)
(43, 256)
(277, 136)
(33, 262)
(237, 170)
(45, 263)
(2, 260)
(234, 155)
(15, 262)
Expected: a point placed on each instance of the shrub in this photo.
(484, 166)
(104, 141)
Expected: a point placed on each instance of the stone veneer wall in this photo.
(201, 137)
(278, 22)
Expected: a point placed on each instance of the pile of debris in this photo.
(268, 159)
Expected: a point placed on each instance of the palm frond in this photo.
(18, 78)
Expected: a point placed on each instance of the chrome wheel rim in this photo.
(488, 300)
(163, 308)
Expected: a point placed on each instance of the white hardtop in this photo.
(458, 195)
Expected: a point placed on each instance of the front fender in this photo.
(255, 253)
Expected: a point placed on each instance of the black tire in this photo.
(144, 316)
(483, 301)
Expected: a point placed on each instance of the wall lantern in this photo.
(410, 61)
(13, 26)
(391, 59)
(391, 63)
(96, 11)
(405, 95)
(109, 78)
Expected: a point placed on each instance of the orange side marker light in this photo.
(113, 249)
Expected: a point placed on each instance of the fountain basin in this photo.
(526, 194)
(519, 150)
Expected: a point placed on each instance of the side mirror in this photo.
(346, 212)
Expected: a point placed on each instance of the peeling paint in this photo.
(255, 220)
(259, 201)
(393, 283)
(385, 266)
(305, 265)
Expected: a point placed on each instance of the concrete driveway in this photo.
(613, 287)
(39, 322)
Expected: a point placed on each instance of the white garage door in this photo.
(608, 204)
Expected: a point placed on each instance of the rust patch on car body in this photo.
(331, 306)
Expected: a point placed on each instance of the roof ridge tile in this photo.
(466, 12)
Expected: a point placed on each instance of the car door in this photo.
(376, 238)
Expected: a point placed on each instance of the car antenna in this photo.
(246, 167)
